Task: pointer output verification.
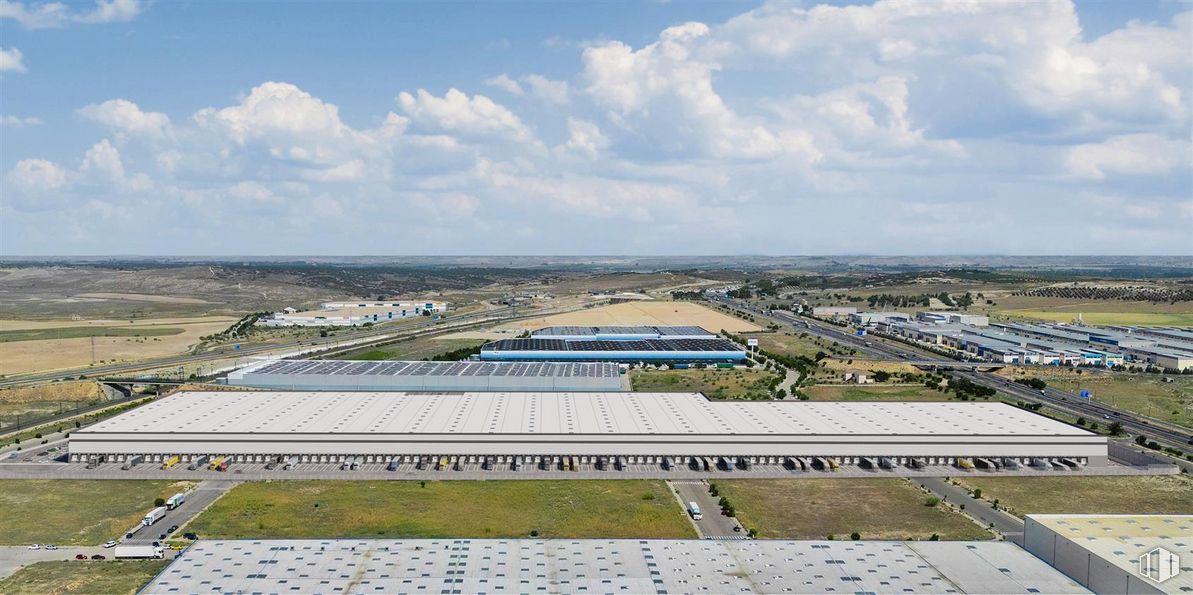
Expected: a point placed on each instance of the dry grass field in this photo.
(75, 512)
(74, 577)
(142, 339)
(1098, 312)
(714, 383)
(1135, 494)
(816, 508)
(645, 313)
(1145, 394)
(874, 392)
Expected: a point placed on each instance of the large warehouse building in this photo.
(321, 426)
(621, 333)
(429, 376)
(646, 350)
(605, 566)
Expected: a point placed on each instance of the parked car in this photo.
(162, 536)
(51, 547)
(80, 556)
(112, 543)
(157, 544)
(35, 546)
(172, 529)
(190, 536)
(99, 557)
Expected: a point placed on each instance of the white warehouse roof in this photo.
(567, 413)
(606, 566)
(642, 424)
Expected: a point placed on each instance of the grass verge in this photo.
(817, 508)
(75, 577)
(1131, 494)
(75, 512)
(412, 509)
(739, 383)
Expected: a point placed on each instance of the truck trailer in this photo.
(175, 501)
(137, 552)
(154, 516)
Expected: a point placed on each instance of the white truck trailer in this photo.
(175, 501)
(154, 516)
(135, 552)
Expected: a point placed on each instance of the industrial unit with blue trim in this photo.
(655, 344)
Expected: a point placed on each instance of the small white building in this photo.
(353, 313)
(833, 311)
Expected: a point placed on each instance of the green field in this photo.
(75, 332)
(75, 512)
(1132, 494)
(391, 509)
(738, 383)
(77, 577)
(414, 349)
(1145, 394)
(816, 508)
(874, 392)
(795, 344)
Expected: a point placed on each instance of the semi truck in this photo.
(135, 552)
(132, 462)
(198, 462)
(170, 462)
(215, 464)
(175, 501)
(154, 516)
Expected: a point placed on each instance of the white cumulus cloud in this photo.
(12, 60)
(125, 116)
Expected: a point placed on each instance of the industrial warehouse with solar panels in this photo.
(429, 376)
(655, 344)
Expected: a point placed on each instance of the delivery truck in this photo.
(170, 462)
(137, 552)
(175, 501)
(154, 516)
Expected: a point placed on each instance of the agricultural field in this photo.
(411, 509)
(30, 346)
(1145, 394)
(661, 313)
(1132, 494)
(891, 509)
(413, 349)
(738, 383)
(74, 577)
(75, 512)
(873, 392)
(1097, 312)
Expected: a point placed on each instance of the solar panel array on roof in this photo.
(402, 368)
(595, 345)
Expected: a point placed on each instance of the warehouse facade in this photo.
(643, 427)
(644, 350)
(341, 375)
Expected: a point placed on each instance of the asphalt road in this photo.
(1055, 398)
(713, 524)
(1009, 525)
(197, 500)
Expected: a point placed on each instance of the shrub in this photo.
(855, 536)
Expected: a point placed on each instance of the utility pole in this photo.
(93, 350)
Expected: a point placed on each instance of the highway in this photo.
(1058, 399)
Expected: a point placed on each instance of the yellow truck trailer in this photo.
(170, 462)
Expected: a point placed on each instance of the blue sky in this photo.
(596, 128)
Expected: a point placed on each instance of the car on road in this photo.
(162, 536)
(51, 547)
(157, 544)
(80, 556)
(112, 543)
(172, 529)
(34, 546)
(99, 557)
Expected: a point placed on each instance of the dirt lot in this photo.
(647, 313)
(52, 354)
(817, 508)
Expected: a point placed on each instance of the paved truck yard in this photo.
(428, 376)
(606, 566)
